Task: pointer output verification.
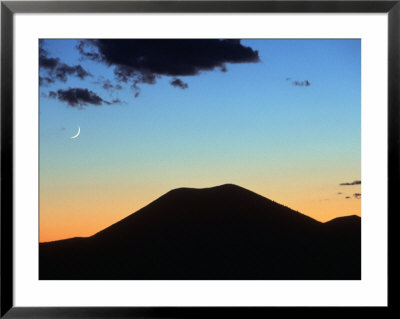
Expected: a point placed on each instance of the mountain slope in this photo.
(223, 232)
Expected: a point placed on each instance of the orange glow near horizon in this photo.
(85, 216)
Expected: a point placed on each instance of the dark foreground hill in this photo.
(224, 232)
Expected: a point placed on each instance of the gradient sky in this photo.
(250, 126)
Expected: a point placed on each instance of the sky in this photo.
(279, 117)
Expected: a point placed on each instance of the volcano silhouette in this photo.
(218, 233)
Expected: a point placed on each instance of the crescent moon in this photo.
(77, 134)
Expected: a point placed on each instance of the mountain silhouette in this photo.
(223, 232)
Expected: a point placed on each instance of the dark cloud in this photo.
(107, 85)
(347, 197)
(57, 70)
(45, 80)
(301, 83)
(288, 79)
(52, 94)
(45, 62)
(115, 101)
(352, 183)
(77, 97)
(64, 70)
(357, 195)
(339, 193)
(179, 84)
(88, 50)
(145, 60)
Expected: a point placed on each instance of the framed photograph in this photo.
(196, 158)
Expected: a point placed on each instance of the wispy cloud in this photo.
(179, 83)
(57, 70)
(77, 97)
(301, 83)
(350, 184)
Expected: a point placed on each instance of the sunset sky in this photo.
(279, 117)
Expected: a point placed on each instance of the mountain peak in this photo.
(223, 187)
(220, 232)
(227, 186)
(227, 206)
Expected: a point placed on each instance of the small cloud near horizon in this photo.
(349, 184)
(301, 83)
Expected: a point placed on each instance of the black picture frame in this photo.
(9, 8)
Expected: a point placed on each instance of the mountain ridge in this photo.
(221, 232)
